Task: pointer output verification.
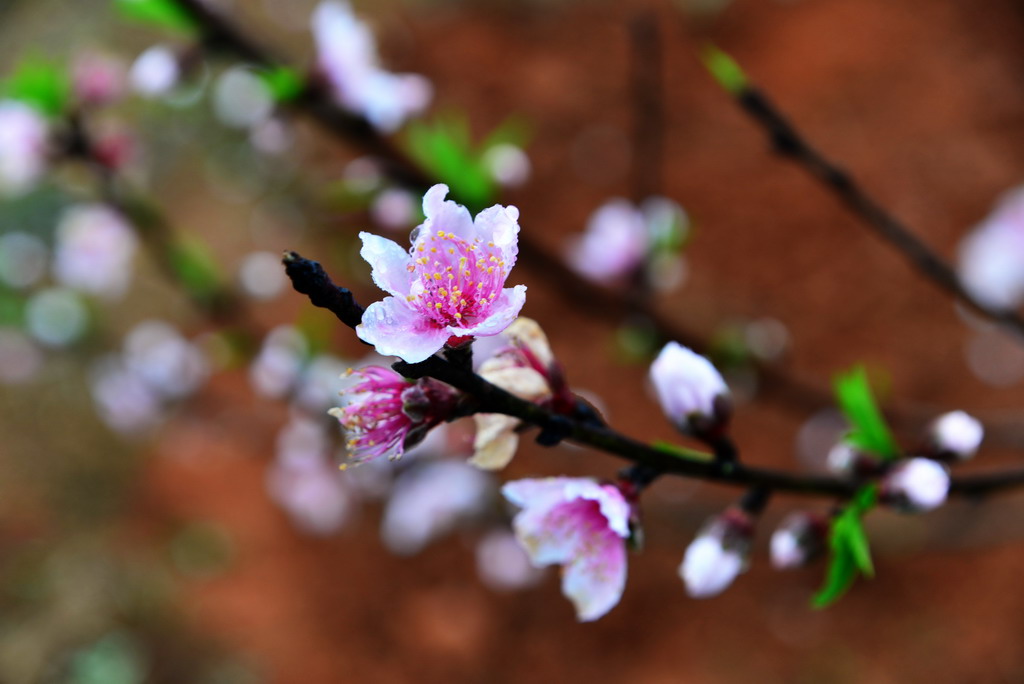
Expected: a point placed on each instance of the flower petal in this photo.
(594, 580)
(536, 493)
(500, 225)
(395, 329)
(390, 264)
(503, 311)
(525, 383)
(495, 442)
(446, 215)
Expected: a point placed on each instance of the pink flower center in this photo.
(459, 279)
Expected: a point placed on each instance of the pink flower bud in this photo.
(956, 434)
(691, 392)
(98, 79)
(718, 555)
(387, 414)
(916, 485)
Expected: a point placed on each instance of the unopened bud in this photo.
(955, 435)
(718, 554)
(916, 485)
(799, 538)
(691, 391)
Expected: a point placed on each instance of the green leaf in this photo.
(681, 452)
(851, 552)
(869, 430)
(196, 267)
(283, 83)
(163, 13)
(842, 572)
(444, 148)
(724, 69)
(40, 84)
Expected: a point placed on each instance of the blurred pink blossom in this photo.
(348, 60)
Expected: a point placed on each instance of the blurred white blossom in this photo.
(430, 500)
(503, 565)
(241, 98)
(261, 275)
(991, 262)
(23, 147)
(155, 72)
(508, 165)
(171, 365)
(304, 481)
(56, 317)
(94, 251)
(277, 367)
(23, 259)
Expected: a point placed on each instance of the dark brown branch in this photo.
(309, 277)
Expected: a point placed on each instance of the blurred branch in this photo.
(790, 143)
(648, 109)
(219, 302)
(309, 277)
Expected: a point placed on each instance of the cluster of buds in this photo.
(920, 482)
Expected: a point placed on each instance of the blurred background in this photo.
(170, 506)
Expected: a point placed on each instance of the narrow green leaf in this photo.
(870, 432)
(681, 452)
(283, 83)
(162, 13)
(724, 69)
(40, 84)
(842, 571)
(851, 552)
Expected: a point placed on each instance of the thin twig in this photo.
(789, 142)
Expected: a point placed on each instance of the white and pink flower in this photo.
(583, 526)
(449, 285)
(387, 414)
(348, 60)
